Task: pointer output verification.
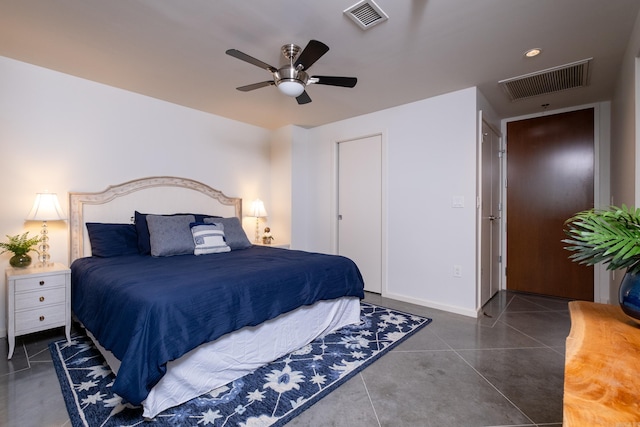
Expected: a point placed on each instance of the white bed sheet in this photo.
(217, 363)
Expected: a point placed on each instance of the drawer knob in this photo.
(41, 318)
(41, 299)
(41, 282)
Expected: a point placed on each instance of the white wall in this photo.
(625, 138)
(488, 113)
(300, 178)
(624, 172)
(279, 209)
(430, 156)
(61, 133)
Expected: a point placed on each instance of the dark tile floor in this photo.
(504, 369)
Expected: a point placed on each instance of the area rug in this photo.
(269, 396)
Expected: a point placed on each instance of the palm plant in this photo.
(610, 236)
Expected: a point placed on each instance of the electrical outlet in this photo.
(457, 271)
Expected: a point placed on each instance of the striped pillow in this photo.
(209, 238)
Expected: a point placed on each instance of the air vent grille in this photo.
(569, 76)
(366, 14)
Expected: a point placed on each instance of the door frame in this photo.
(383, 199)
(502, 194)
(602, 278)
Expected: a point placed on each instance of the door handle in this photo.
(493, 217)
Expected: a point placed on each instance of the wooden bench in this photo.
(602, 367)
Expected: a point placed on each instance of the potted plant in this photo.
(609, 236)
(20, 245)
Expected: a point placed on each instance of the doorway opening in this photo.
(360, 207)
(550, 177)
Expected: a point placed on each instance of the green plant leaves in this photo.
(609, 236)
(19, 244)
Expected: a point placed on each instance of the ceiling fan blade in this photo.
(311, 53)
(335, 81)
(251, 60)
(253, 86)
(304, 98)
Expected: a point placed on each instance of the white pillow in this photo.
(209, 239)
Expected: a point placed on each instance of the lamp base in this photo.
(44, 256)
(257, 239)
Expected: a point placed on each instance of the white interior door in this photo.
(360, 207)
(491, 211)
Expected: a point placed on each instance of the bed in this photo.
(174, 325)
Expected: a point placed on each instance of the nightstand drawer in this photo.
(40, 318)
(33, 283)
(44, 297)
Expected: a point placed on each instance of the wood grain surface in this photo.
(602, 367)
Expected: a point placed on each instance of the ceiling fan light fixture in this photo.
(291, 87)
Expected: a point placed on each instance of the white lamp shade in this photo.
(46, 208)
(291, 88)
(257, 209)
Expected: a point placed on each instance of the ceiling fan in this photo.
(292, 78)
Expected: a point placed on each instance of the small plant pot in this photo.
(20, 261)
(629, 295)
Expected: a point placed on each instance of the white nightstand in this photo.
(274, 245)
(38, 298)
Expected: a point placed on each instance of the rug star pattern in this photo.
(270, 396)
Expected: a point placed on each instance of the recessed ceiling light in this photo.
(533, 52)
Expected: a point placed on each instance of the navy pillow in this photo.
(109, 240)
(144, 239)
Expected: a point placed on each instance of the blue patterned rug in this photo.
(269, 396)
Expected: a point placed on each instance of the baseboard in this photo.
(431, 304)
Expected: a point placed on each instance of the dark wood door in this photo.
(550, 173)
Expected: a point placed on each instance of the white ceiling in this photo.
(175, 50)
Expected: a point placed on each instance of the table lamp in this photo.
(258, 211)
(45, 208)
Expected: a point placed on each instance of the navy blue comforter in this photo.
(148, 311)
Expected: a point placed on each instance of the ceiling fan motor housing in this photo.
(288, 73)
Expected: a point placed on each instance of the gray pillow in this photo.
(233, 232)
(170, 235)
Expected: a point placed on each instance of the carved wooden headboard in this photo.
(160, 194)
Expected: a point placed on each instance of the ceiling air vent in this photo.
(551, 80)
(366, 14)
